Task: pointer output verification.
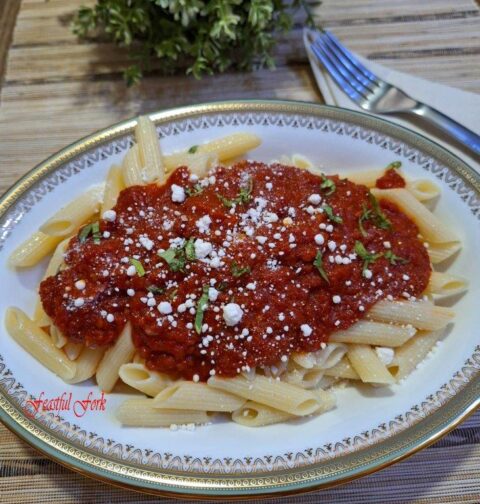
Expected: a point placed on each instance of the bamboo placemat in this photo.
(56, 90)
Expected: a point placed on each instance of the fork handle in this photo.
(453, 128)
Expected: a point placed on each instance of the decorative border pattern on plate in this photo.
(94, 444)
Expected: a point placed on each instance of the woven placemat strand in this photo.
(55, 91)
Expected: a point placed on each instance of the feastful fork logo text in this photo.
(65, 402)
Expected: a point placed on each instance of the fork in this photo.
(376, 95)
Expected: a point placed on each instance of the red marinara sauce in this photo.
(267, 254)
(391, 179)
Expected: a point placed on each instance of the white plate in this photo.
(369, 429)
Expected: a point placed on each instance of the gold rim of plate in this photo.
(330, 472)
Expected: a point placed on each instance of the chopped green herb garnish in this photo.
(366, 214)
(318, 263)
(193, 149)
(155, 290)
(244, 196)
(380, 219)
(84, 232)
(331, 216)
(175, 258)
(96, 232)
(190, 249)
(395, 165)
(93, 229)
(394, 259)
(201, 306)
(238, 271)
(194, 191)
(172, 295)
(138, 266)
(368, 258)
(327, 185)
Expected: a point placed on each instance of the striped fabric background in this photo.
(54, 91)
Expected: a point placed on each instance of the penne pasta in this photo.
(327, 400)
(114, 184)
(87, 364)
(38, 343)
(149, 151)
(196, 396)
(39, 316)
(368, 366)
(33, 250)
(420, 314)
(271, 392)
(120, 353)
(430, 226)
(322, 359)
(342, 369)
(423, 189)
(58, 258)
(132, 168)
(56, 261)
(302, 162)
(138, 376)
(199, 163)
(412, 353)
(374, 333)
(440, 252)
(253, 414)
(67, 220)
(141, 413)
(365, 177)
(72, 350)
(57, 337)
(304, 378)
(224, 148)
(444, 284)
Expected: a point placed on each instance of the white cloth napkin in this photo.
(462, 106)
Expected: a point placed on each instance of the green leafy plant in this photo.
(197, 36)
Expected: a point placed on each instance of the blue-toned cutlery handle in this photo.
(443, 122)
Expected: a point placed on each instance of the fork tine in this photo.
(353, 71)
(351, 58)
(348, 75)
(336, 75)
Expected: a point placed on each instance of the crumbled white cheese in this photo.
(146, 242)
(164, 307)
(314, 199)
(306, 330)
(203, 224)
(367, 273)
(109, 215)
(336, 299)
(385, 354)
(80, 284)
(232, 314)
(212, 294)
(131, 271)
(319, 239)
(202, 248)
(178, 193)
(79, 302)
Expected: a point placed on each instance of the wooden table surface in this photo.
(55, 90)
